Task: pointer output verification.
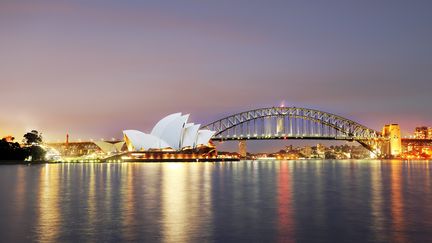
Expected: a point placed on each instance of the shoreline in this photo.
(190, 161)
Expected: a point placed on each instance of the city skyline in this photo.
(91, 69)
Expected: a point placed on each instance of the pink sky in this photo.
(94, 68)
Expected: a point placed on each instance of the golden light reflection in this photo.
(49, 218)
(285, 207)
(91, 199)
(186, 201)
(107, 187)
(377, 202)
(397, 205)
(128, 199)
(151, 179)
(428, 178)
(174, 207)
(20, 191)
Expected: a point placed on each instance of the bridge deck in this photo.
(282, 138)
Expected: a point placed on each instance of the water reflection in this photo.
(128, 202)
(174, 205)
(49, 214)
(91, 198)
(20, 190)
(397, 205)
(285, 207)
(185, 202)
(377, 202)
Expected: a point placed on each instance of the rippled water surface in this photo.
(249, 201)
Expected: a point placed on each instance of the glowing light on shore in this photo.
(282, 104)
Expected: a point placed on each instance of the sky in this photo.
(94, 68)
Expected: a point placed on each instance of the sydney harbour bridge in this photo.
(292, 123)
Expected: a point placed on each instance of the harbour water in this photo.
(246, 201)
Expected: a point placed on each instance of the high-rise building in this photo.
(242, 148)
(394, 147)
(421, 132)
(429, 136)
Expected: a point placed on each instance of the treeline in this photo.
(31, 149)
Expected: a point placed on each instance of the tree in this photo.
(12, 151)
(37, 152)
(33, 140)
(33, 137)
(329, 155)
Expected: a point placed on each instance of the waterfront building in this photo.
(394, 146)
(320, 149)
(172, 133)
(306, 151)
(243, 148)
(109, 148)
(421, 132)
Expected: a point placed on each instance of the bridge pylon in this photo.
(242, 148)
(393, 145)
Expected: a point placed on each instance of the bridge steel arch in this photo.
(293, 123)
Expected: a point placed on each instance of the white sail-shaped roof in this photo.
(118, 146)
(136, 140)
(159, 128)
(190, 134)
(187, 125)
(204, 137)
(172, 133)
(106, 147)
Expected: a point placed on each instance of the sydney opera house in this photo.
(170, 133)
(172, 138)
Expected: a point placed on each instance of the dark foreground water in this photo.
(260, 201)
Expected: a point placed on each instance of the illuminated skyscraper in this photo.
(242, 148)
(394, 147)
(421, 132)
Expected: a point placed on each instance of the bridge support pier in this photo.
(242, 148)
(392, 147)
